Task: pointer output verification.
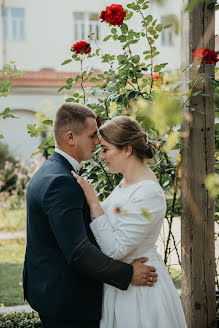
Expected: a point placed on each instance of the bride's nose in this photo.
(101, 155)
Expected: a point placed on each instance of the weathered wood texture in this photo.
(198, 244)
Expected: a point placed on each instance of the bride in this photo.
(126, 226)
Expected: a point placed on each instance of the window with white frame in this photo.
(167, 34)
(13, 24)
(86, 25)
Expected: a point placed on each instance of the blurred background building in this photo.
(37, 35)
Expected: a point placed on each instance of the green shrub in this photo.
(5, 155)
(20, 320)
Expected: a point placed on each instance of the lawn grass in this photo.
(176, 277)
(11, 267)
(13, 220)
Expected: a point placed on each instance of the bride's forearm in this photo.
(96, 211)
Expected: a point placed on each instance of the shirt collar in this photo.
(74, 163)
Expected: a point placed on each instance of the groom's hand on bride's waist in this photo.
(143, 275)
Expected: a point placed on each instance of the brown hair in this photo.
(71, 117)
(122, 131)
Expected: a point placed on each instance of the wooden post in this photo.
(198, 249)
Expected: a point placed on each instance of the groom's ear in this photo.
(70, 138)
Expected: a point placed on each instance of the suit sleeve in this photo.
(63, 203)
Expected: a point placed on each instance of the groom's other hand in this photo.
(143, 275)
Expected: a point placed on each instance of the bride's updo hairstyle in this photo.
(122, 131)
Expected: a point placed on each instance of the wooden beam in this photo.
(198, 243)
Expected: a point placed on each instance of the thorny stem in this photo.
(146, 33)
(171, 217)
(106, 174)
(82, 80)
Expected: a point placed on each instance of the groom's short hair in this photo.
(71, 117)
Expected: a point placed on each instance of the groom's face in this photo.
(86, 142)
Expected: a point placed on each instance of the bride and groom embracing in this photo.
(74, 244)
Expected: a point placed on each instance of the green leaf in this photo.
(136, 59)
(157, 68)
(48, 122)
(140, 2)
(50, 151)
(69, 81)
(136, 7)
(139, 75)
(133, 41)
(128, 15)
(101, 76)
(107, 38)
(121, 59)
(113, 30)
(147, 57)
(1, 136)
(78, 77)
(145, 7)
(94, 80)
(6, 111)
(69, 99)
(66, 61)
(149, 18)
(159, 27)
(31, 129)
(115, 37)
(122, 38)
(35, 153)
(124, 28)
(60, 89)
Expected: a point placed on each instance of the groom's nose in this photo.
(97, 141)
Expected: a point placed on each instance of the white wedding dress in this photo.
(128, 230)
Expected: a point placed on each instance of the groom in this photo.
(64, 269)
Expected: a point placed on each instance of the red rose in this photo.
(99, 123)
(157, 77)
(207, 56)
(113, 14)
(81, 47)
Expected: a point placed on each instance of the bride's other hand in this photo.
(90, 194)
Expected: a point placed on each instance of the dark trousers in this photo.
(52, 323)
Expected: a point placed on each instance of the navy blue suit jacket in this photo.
(64, 268)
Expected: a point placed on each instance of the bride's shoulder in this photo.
(149, 189)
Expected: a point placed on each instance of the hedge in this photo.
(20, 320)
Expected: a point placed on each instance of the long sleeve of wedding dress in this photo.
(120, 233)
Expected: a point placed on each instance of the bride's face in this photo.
(113, 157)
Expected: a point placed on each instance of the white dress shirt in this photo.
(74, 163)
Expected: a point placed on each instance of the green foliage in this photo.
(20, 320)
(10, 72)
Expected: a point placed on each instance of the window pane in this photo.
(14, 30)
(5, 12)
(17, 12)
(21, 30)
(79, 16)
(93, 17)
